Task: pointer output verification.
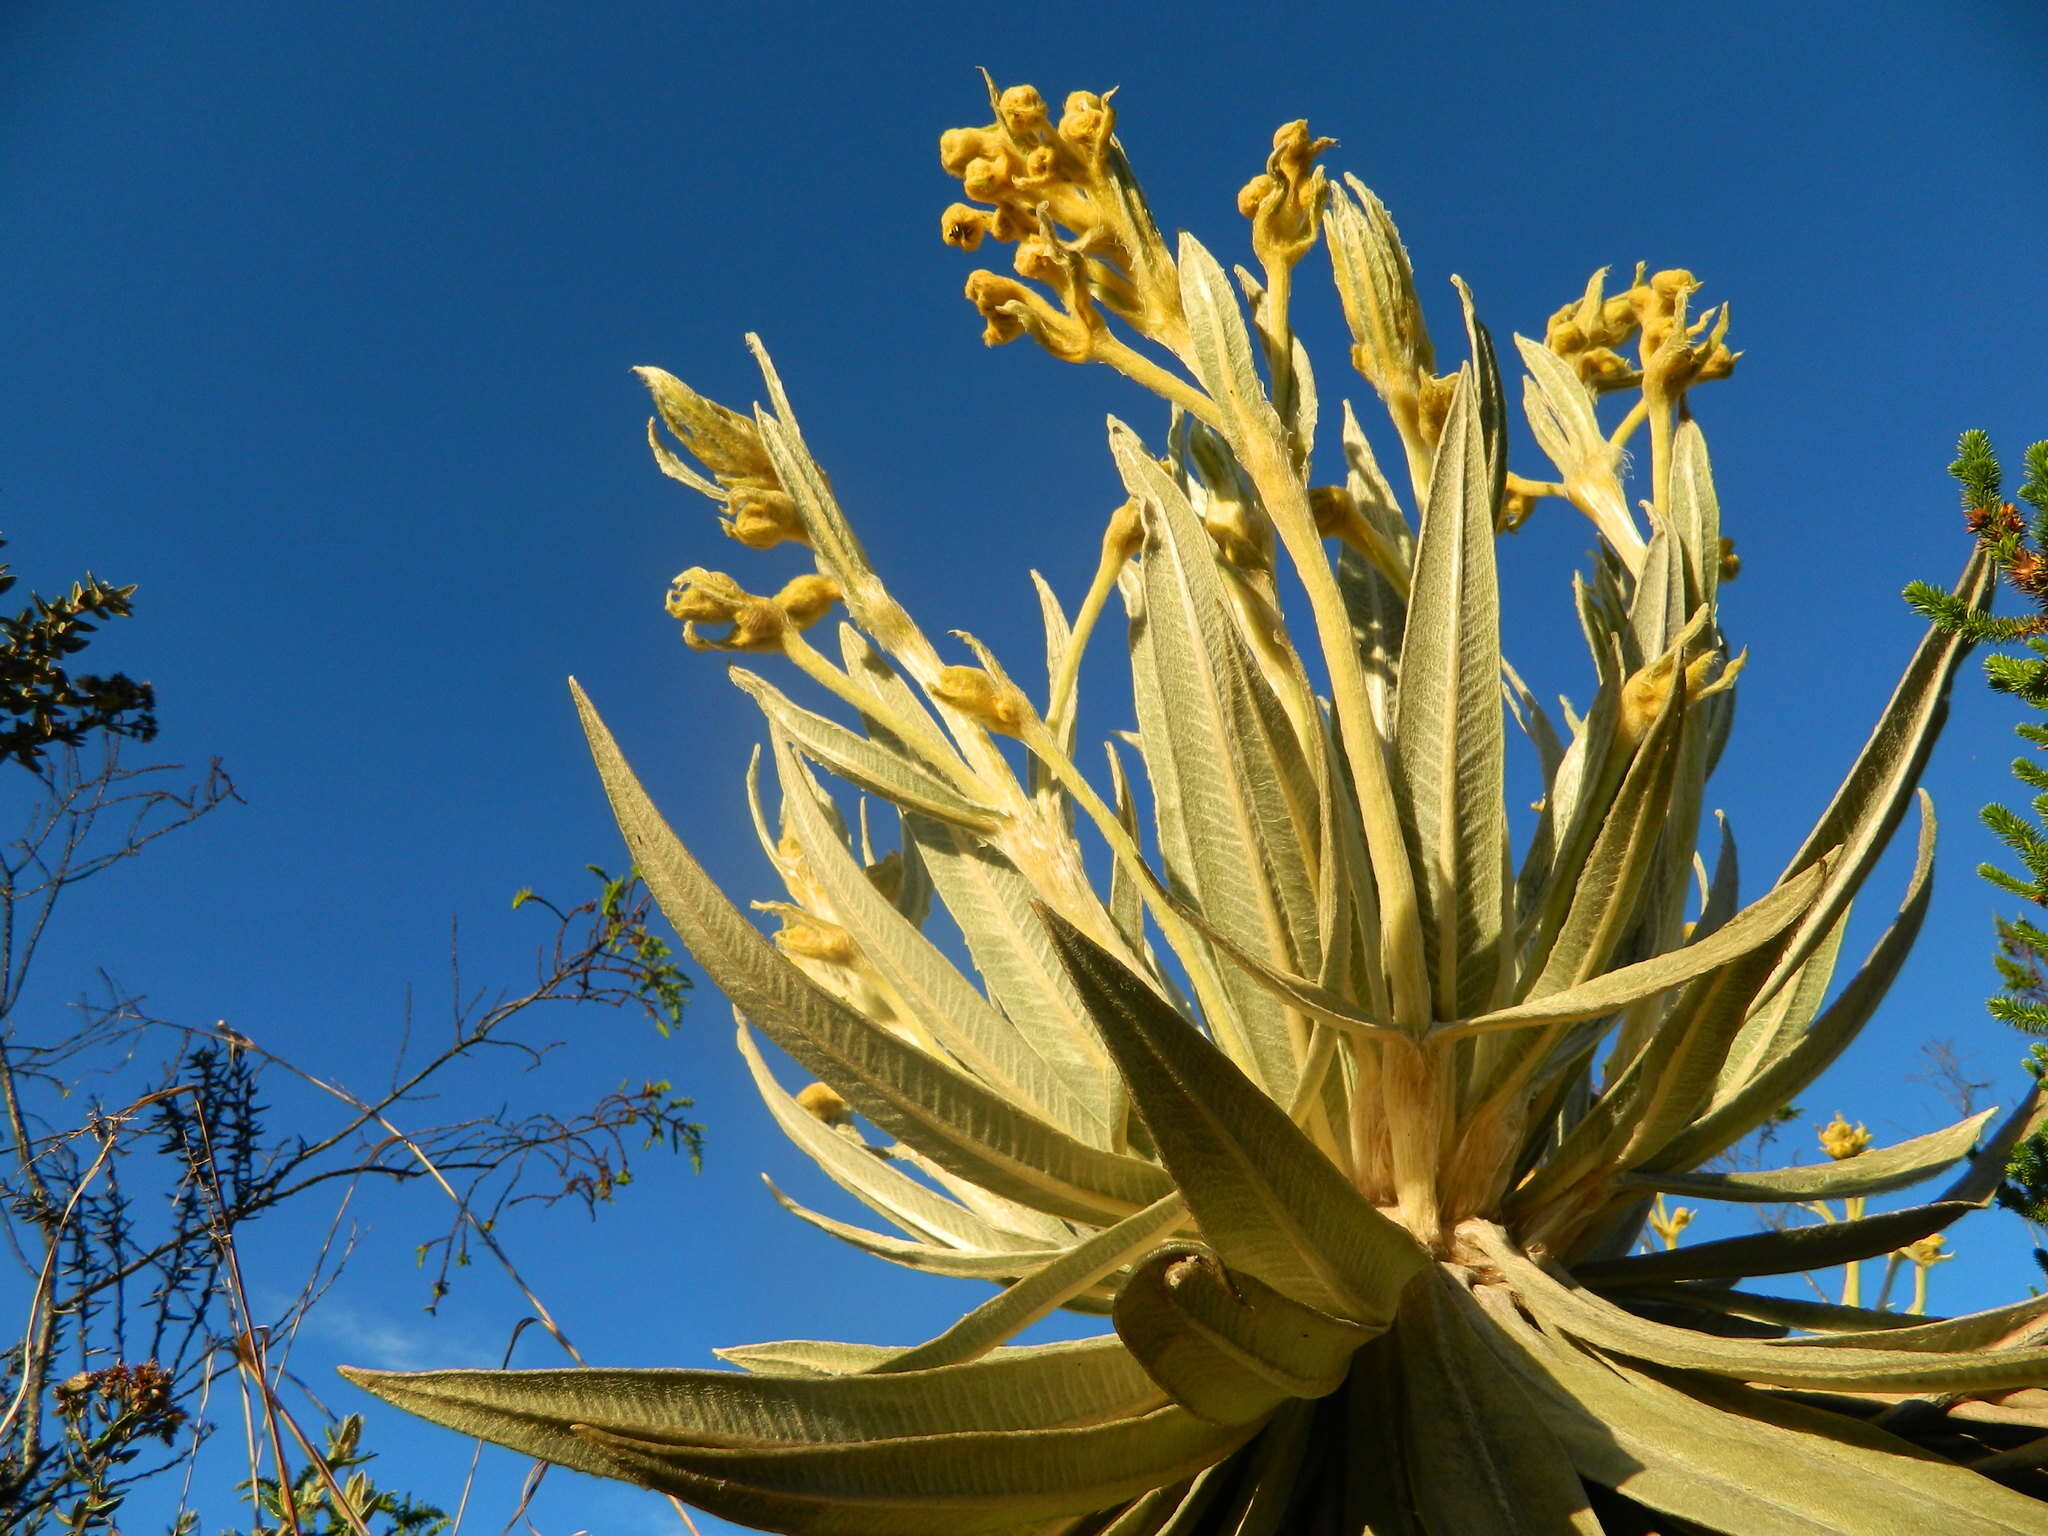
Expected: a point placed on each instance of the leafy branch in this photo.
(2017, 546)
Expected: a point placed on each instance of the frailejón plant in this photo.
(1348, 1120)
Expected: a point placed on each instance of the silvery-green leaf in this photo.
(1768, 1032)
(1822, 1318)
(1566, 1309)
(1057, 1075)
(1046, 1288)
(1011, 1389)
(1369, 487)
(2018, 1322)
(991, 901)
(832, 538)
(925, 1103)
(1873, 1172)
(1719, 905)
(998, 1265)
(974, 1448)
(1310, 997)
(1756, 925)
(1575, 801)
(1221, 344)
(1246, 866)
(1058, 637)
(1789, 1251)
(1449, 735)
(1029, 1227)
(867, 764)
(1492, 399)
(1657, 612)
(1126, 896)
(1603, 903)
(869, 671)
(811, 1357)
(877, 1182)
(1482, 1460)
(971, 1484)
(1695, 514)
(1739, 1110)
(1266, 1200)
(1672, 1081)
(1227, 1346)
(1732, 1459)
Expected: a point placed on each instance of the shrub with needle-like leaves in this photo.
(1348, 1119)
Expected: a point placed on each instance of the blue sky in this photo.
(318, 323)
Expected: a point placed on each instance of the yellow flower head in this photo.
(1841, 1140)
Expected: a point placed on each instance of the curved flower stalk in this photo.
(1347, 1117)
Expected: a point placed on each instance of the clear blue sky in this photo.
(317, 325)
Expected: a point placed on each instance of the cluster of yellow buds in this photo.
(1674, 353)
(1285, 202)
(698, 596)
(1841, 1140)
(1065, 197)
(757, 511)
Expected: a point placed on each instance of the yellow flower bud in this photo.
(1643, 698)
(1731, 562)
(1928, 1252)
(1040, 166)
(823, 1103)
(1040, 260)
(1515, 507)
(1841, 1140)
(1023, 111)
(886, 874)
(1673, 284)
(1435, 403)
(987, 178)
(959, 147)
(817, 940)
(704, 597)
(1254, 193)
(807, 599)
(1125, 535)
(992, 703)
(1087, 124)
(1011, 310)
(1333, 507)
(763, 519)
(760, 625)
(963, 226)
(1605, 370)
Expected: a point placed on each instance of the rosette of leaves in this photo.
(1344, 1116)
